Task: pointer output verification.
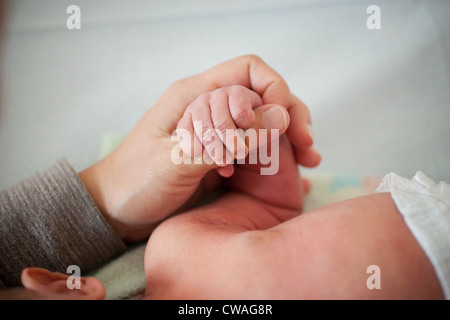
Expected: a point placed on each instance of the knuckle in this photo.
(238, 89)
(200, 102)
(241, 115)
(204, 98)
(242, 102)
(176, 86)
(217, 95)
(252, 58)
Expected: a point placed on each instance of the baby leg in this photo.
(338, 248)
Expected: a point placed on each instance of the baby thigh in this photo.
(356, 249)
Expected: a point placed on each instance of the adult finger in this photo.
(271, 121)
(249, 71)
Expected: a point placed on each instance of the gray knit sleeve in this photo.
(50, 221)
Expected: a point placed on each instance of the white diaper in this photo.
(425, 207)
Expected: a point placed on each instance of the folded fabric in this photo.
(425, 207)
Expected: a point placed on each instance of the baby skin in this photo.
(254, 242)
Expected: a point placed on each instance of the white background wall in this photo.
(379, 99)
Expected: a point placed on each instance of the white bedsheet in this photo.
(379, 99)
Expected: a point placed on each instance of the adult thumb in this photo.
(271, 117)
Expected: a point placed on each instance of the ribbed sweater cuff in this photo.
(50, 221)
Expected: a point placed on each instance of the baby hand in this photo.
(139, 184)
(208, 130)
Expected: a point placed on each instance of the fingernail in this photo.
(275, 118)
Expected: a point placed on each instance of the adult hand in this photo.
(138, 185)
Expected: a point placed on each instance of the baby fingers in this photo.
(206, 132)
(225, 126)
